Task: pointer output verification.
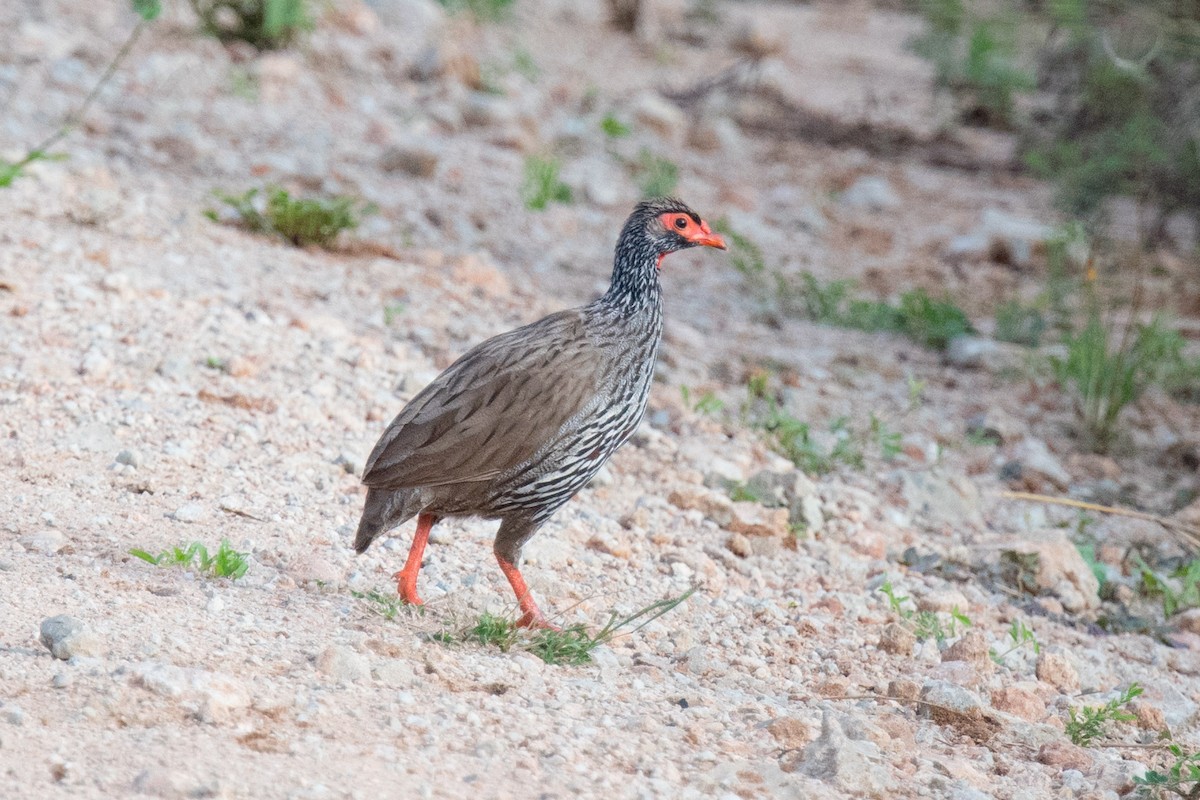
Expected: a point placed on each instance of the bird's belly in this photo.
(572, 461)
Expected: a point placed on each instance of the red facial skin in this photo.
(688, 228)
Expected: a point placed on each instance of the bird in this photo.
(521, 422)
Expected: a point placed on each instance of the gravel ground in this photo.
(166, 380)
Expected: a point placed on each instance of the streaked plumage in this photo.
(522, 421)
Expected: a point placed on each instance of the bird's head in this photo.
(665, 225)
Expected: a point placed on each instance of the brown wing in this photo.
(491, 410)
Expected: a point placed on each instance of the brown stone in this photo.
(1056, 670)
(1065, 756)
(903, 689)
(897, 639)
(1020, 702)
(790, 732)
(972, 648)
(755, 520)
(1149, 716)
(739, 545)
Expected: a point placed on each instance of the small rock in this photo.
(417, 158)
(1149, 716)
(716, 507)
(757, 38)
(482, 109)
(12, 714)
(1011, 239)
(970, 352)
(789, 732)
(66, 637)
(952, 705)
(394, 672)
(903, 689)
(851, 765)
(343, 664)
(47, 542)
(870, 192)
(757, 521)
(739, 545)
(190, 512)
(1035, 457)
(1020, 702)
(972, 648)
(130, 458)
(1057, 569)
(61, 680)
(810, 514)
(659, 115)
(95, 364)
(897, 639)
(1065, 755)
(1056, 669)
(944, 601)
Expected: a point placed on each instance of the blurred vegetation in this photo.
(1105, 95)
(301, 221)
(266, 24)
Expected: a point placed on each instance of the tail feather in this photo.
(383, 510)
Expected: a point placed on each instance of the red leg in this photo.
(532, 616)
(406, 579)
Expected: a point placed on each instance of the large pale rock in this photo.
(66, 637)
(851, 765)
(1059, 570)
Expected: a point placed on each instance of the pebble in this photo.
(47, 542)
(872, 193)
(343, 664)
(1034, 457)
(190, 512)
(66, 637)
(130, 458)
(416, 158)
(1056, 669)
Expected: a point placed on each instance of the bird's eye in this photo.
(680, 223)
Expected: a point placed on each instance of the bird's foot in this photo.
(406, 586)
(532, 618)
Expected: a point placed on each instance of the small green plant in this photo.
(889, 441)
(916, 391)
(225, 563)
(923, 624)
(1182, 778)
(1108, 371)
(393, 312)
(975, 58)
(572, 646)
(481, 10)
(493, 630)
(1178, 592)
(266, 24)
(745, 256)
(542, 185)
(658, 176)
(1019, 324)
(931, 322)
(613, 127)
(301, 221)
(707, 403)
(1086, 724)
(385, 605)
(924, 319)
(1021, 635)
(1088, 553)
(742, 492)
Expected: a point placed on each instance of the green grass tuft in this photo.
(300, 221)
(542, 184)
(225, 563)
(657, 176)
